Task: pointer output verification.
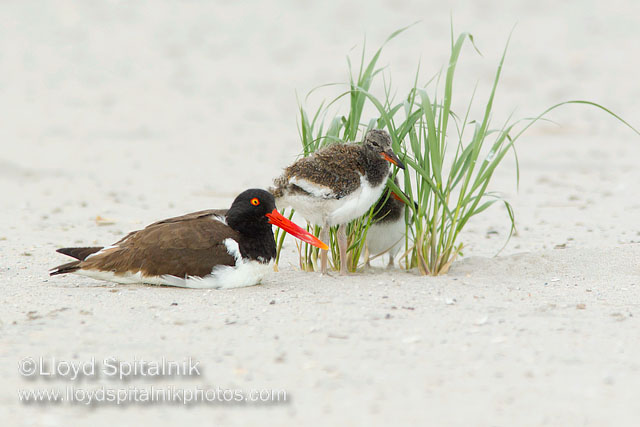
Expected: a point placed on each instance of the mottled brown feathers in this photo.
(338, 167)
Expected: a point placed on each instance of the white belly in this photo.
(321, 210)
(386, 237)
(247, 273)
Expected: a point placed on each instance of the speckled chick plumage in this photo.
(338, 167)
(337, 184)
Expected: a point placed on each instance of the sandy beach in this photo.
(114, 115)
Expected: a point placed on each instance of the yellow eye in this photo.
(255, 201)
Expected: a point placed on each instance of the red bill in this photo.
(278, 220)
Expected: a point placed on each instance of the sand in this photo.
(115, 115)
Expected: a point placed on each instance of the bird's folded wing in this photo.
(312, 188)
(194, 215)
(191, 245)
(332, 172)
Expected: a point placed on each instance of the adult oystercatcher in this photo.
(388, 227)
(206, 249)
(337, 184)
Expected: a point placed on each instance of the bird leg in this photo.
(390, 265)
(367, 257)
(342, 245)
(324, 236)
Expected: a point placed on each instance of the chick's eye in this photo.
(255, 201)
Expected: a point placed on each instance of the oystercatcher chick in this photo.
(337, 184)
(388, 228)
(206, 249)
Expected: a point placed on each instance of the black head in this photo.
(252, 213)
(379, 141)
(248, 211)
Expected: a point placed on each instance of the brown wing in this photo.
(189, 245)
(337, 167)
(193, 215)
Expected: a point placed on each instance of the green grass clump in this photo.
(450, 158)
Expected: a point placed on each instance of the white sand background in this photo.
(137, 111)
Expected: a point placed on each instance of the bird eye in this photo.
(255, 201)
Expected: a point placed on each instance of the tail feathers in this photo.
(79, 253)
(65, 268)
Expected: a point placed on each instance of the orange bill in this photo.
(395, 196)
(278, 220)
(391, 157)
